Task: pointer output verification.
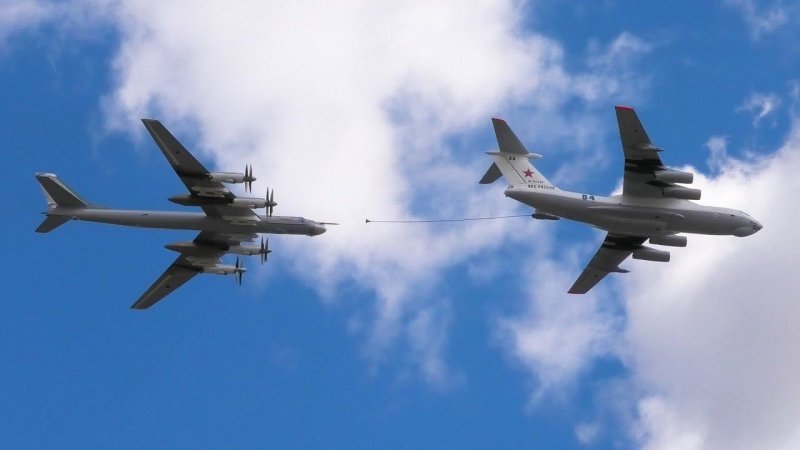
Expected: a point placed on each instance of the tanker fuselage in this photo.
(637, 216)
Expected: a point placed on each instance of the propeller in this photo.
(270, 199)
(239, 271)
(248, 178)
(264, 250)
(328, 223)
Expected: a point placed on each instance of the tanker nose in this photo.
(747, 230)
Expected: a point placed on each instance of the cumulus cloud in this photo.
(346, 109)
(661, 427)
(707, 340)
(760, 21)
(711, 334)
(557, 336)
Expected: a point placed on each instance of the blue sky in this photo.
(397, 336)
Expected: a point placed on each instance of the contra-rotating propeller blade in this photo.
(239, 271)
(248, 178)
(264, 250)
(271, 204)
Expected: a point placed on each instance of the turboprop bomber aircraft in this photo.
(652, 207)
(226, 223)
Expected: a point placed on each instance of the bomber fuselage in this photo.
(195, 221)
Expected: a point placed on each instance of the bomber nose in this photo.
(757, 226)
(318, 229)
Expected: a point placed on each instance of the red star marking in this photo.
(528, 173)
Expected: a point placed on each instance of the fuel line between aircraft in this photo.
(464, 219)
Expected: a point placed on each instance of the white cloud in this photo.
(663, 428)
(617, 57)
(709, 339)
(345, 109)
(760, 21)
(74, 17)
(558, 336)
(18, 15)
(586, 433)
(711, 335)
(717, 152)
(761, 105)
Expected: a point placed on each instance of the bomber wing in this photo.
(615, 249)
(191, 172)
(207, 249)
(178, 273)
(196, 177)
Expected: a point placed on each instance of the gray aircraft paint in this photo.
(227, 221)
(633, 216)
(191, 221)
(653, 206)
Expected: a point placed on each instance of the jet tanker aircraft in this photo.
(653, 206)
(227, 221)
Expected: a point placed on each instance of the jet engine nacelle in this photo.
(226, 177)
(651, 254)
(681, 192)
(671, 240)
(674, 176)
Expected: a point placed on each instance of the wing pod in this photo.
(670, 240)
(682, 193)
(651, 254)
(674, 176)
(544, 216)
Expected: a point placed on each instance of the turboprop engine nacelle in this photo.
(674, 176)
(234, 177)
(250, 202)
(671, 240)
(245, 250)
(239, 202)
(220, 269)
(651, 254)
(681, 192)
(226, 177)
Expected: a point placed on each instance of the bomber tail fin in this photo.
(57, 195)
(513, 160)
